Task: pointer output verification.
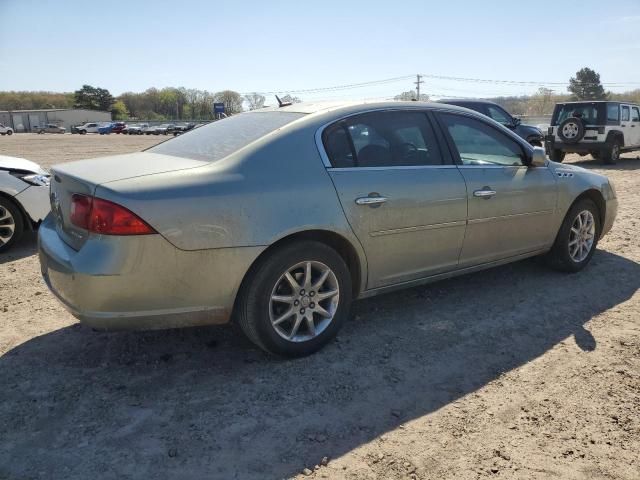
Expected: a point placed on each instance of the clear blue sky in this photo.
(263, 46)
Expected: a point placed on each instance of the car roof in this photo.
(352, 107)
(466, 100)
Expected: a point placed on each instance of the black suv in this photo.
(531, 134)
(602, 128)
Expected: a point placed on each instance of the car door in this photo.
(625, 124)
(510, 205)
(403, 197)
(634, 127)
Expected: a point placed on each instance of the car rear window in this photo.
(220, 139)
(592, 113)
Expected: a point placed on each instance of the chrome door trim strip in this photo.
(508, 217)
(418, 228)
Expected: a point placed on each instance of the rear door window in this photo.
(220, 139)
(382, 139)
(625, 113)
(635, 114)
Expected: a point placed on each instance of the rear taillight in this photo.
(105, 217)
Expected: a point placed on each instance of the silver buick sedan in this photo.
(278, 218)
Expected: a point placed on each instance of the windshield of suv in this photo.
(590, 113)
(221, 138)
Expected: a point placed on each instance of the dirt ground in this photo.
(517, 372)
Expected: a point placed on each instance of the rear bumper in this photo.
(142, 282)
(580, 147)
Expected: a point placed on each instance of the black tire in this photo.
(83, 132)
(577, 127)
(612, 152)
(536, 142)
(16, 220)
(559, 256)
(557, 155)
(254, 300)
(10, 132)
(596, 154)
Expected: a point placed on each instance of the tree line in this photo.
(189, 103)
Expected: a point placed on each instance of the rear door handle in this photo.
(485, 192)
(373, 201)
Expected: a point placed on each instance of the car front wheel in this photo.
(11, 225)
(296, 300)
(577, 238)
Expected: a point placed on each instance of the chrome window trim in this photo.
(398, 167)
(419, 108)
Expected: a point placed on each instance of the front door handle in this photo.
(371, 200)
(485, 192)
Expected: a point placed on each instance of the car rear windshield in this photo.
(221, 138)
(591, 113)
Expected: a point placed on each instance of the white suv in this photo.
(5, 130)
(602, 128)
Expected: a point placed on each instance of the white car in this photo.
(4, 130)
(88, 128)
(24, 198)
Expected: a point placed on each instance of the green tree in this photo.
(586, 86)
(232, 101)
(93, 98)
(119, 111)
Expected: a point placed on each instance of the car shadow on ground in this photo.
(626, 162)
(25, 247)
(196, 403)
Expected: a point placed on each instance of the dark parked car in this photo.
(119, 127)
(531, 134)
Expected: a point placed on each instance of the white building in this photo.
(27, 120)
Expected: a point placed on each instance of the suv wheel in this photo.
(296, 300)
(9, 132)
(612, 154)
(557, 155)
(595, 154)
(577, 238)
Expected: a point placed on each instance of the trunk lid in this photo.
(84, 176)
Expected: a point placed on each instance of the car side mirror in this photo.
(538, 157)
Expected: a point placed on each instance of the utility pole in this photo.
(418, 82)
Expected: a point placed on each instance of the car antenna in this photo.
(281, 103)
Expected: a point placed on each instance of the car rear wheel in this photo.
(577, 238)
(11, 224)
(571, 130)
(557, 155)
(612, 154)
(296, 300)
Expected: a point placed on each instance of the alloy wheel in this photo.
(304, 301)
(7, 225)
(582, 236)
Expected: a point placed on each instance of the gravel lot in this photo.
(515, 372)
